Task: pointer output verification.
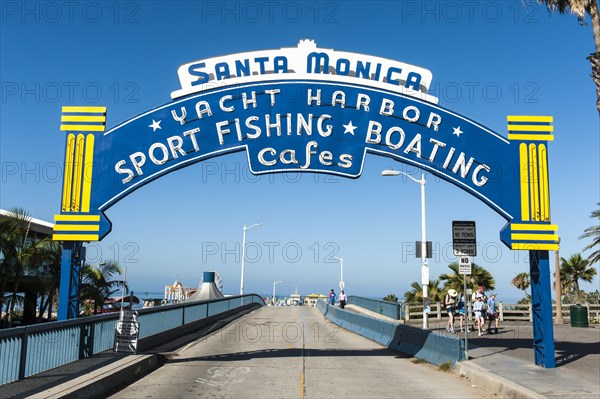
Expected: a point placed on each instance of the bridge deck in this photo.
(294, 352)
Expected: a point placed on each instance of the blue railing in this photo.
(29, 350)
(385, 308)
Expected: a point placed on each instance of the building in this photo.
(311, 300)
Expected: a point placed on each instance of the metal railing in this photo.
(29, 350)
(385, 308)
(506, 311)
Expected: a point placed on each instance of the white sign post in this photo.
(465, 267)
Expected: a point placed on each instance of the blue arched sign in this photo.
(306, 109)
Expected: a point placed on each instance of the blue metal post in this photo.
(68, 295)
(541, 305)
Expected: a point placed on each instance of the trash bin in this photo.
(579, 316)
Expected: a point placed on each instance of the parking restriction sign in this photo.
(464, 265)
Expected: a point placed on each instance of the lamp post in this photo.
(244, 255)
(558, 288)
(341, 260)
(424, 267)
(274, 284)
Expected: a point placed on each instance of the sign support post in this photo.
(541, 309)
(464, 266)
(70, 267)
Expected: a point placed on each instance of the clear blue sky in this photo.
(488, 59)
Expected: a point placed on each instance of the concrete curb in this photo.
(105, 380)
(495, 383)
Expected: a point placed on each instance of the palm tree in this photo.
(416, 294)
(18, 251)
(581, 8)
(48, 271)
(522, 282)
(391, 298)
(575, 269)
(479, 275)
(97, 283)
(593, 232)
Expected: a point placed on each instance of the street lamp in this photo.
(274, 284)
(424, 267)
(244, 255)
(557, 287)
(341, 272)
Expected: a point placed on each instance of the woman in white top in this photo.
(343, 299)
(477, 309)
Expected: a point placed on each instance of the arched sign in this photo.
(306, 109)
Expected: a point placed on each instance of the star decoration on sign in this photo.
(457, 131)
(349, 128)
(155, 125)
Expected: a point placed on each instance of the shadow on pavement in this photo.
(292, 352)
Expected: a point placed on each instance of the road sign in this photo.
(464, 265)
(464, 240)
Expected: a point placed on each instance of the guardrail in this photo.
(506, 312)
(422, 344)
(385, 308)
(29, 350)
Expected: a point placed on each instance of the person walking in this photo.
(480, 291)
(492, 314)
(332, 296)
(450, 304)
(343, 299)
(460, 307)
(478, 307)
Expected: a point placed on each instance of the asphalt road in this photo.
(294, 352)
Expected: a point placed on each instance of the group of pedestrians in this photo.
(483, 308)
(343, 298)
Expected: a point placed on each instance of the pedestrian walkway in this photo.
(505, 361)
(577, 349)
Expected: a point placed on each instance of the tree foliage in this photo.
(416, 294)
(390, 298)
(583, 8)
(97, 283)
(593, 232)
(479, 275)
(571, 271)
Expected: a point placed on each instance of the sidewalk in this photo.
(505, 361)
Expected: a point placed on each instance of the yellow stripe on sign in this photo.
(67, 108)
(75, 237)
(82, 128)
(76, 218)
(534, 237)
(87, 173)
(529, 118)
(76, 227)
(68, 179)
(524, 172)
(534, 227)
(533, 183)
(82, 118)
(531, 137)
(530, 128)
(77, 173)
(544, 191)
(534, 247)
